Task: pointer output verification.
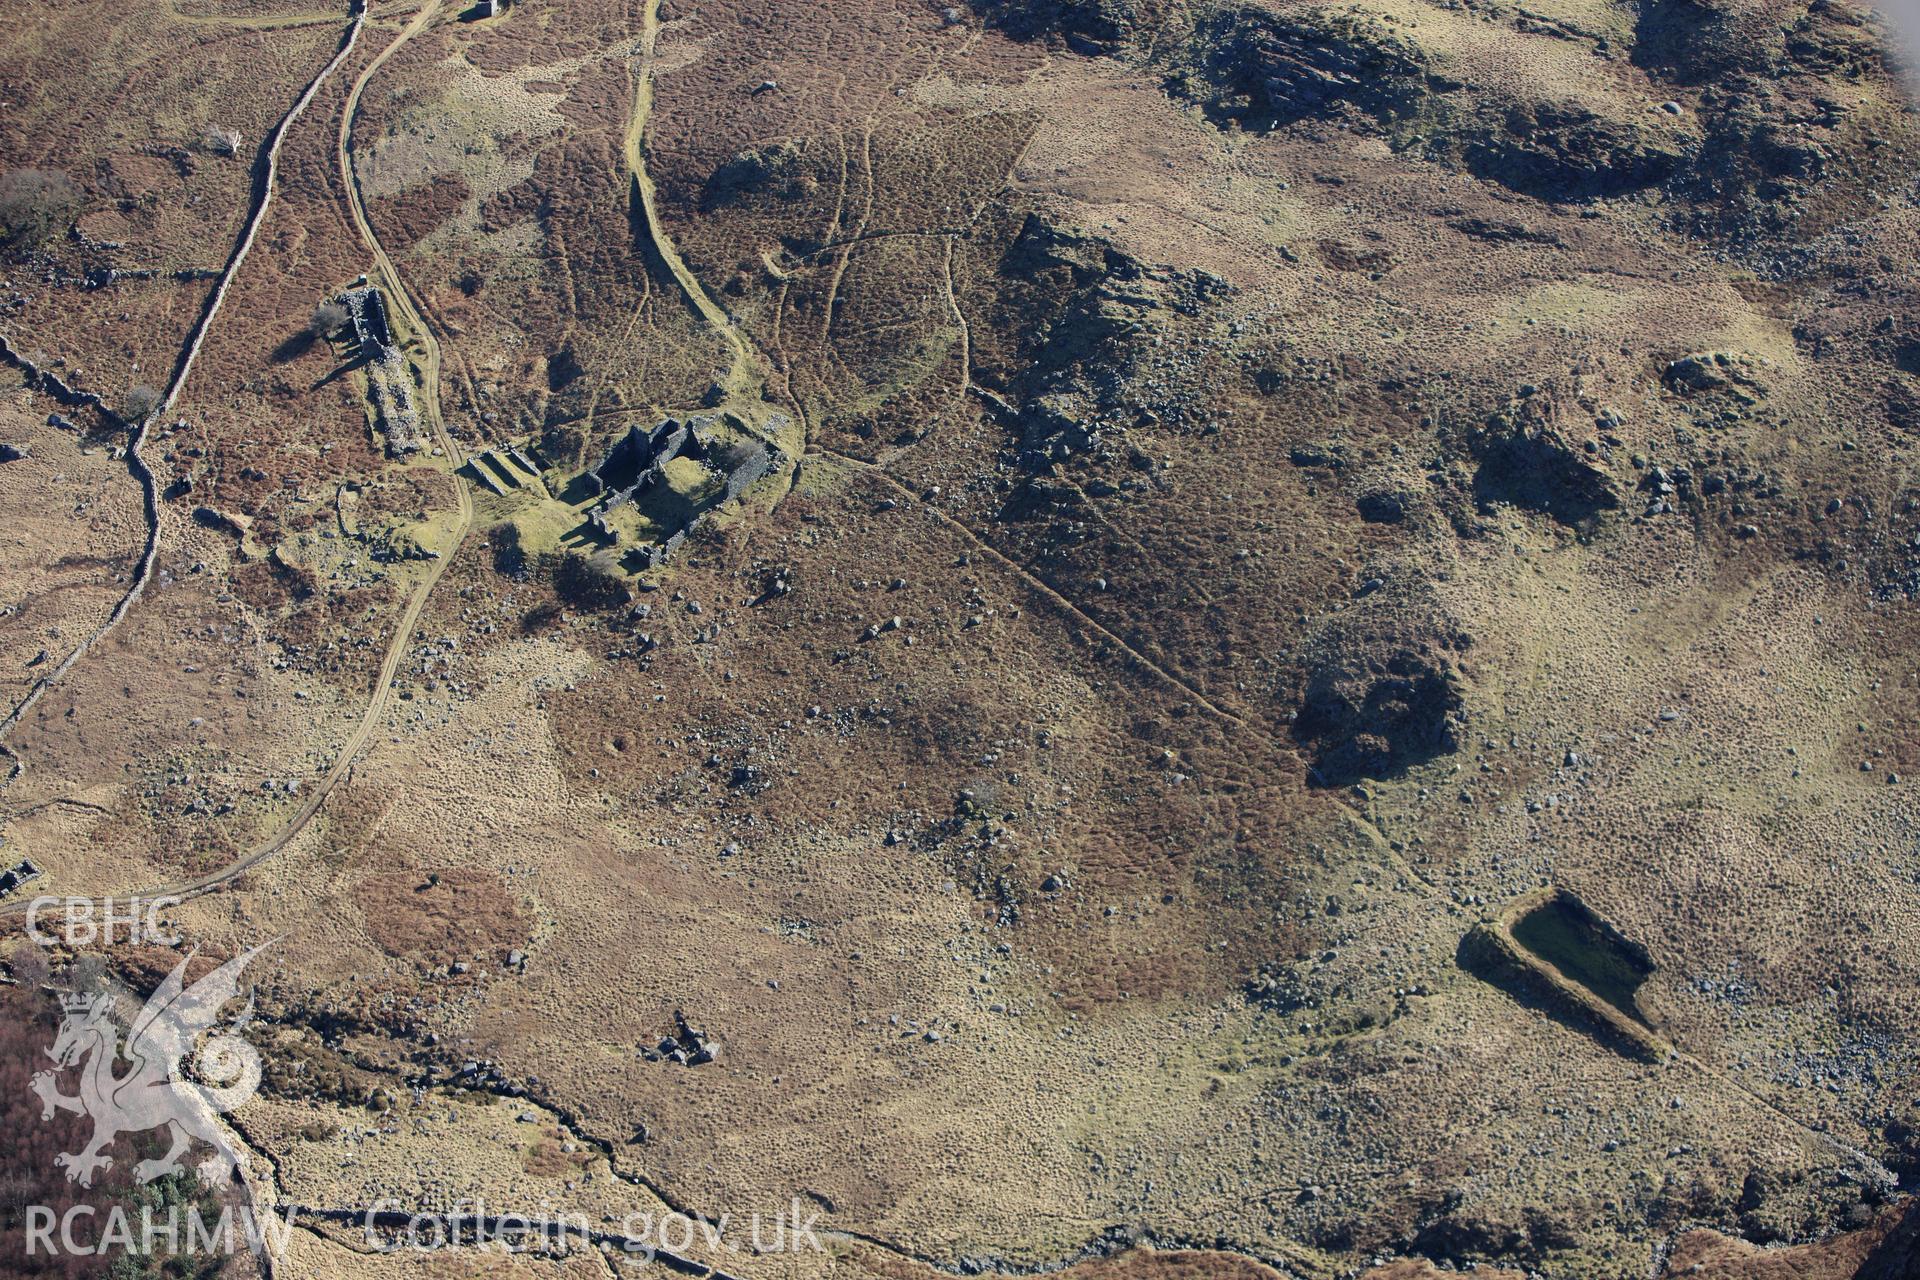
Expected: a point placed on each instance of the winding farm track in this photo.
(149, 555)
(416, 604)
(742, 380)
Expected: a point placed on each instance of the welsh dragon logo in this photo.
(181, 1073)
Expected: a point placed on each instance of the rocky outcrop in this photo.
(1566, 152)
(1084, 311)
(1091, 27)
(1372, 714)
(1887, 1247)
(1902, 1135)
(1263, 69)
(1525, 461)
(776, 171)
(1898, 1252)
(1764, 136)
(1380, 692)
(1421, 1269)
(1718, 41)
(1792, 145)
(1257, 69)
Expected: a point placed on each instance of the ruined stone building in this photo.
(389, 379)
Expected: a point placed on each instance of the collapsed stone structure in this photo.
(633, 464)
(507, 468)
(16, 875)
(50, 383)
(637, 462)
(389, 383)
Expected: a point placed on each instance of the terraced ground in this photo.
(1322, 684)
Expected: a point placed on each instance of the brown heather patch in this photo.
(441, 917)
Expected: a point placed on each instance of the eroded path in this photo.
(264, 184)
(742, 378)
(743, 382)
(403, 304)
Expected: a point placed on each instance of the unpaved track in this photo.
(742, 376)
(403, 633)
(357, 17)
(742, 379)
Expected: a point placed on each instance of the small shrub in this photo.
(33, 204)
(737, 454)
(221, 140)
(591, 582)
(328, 318)
(508, 556)
(541, 616)
(141, 401)
(564, 446)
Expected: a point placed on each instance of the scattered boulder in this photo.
(1383, 506)
(1055, 426)
(1316, 455)
(687, 1046)
(1261, 69)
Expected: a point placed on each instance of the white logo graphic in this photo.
(182, 1072)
